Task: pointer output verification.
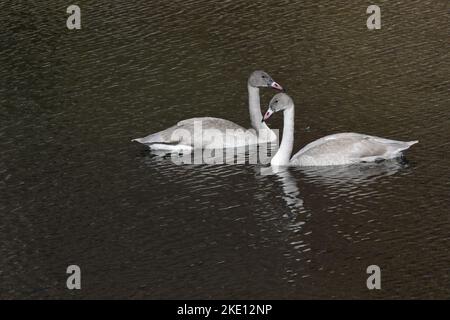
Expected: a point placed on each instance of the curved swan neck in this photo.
(254, 106)
(283, 155)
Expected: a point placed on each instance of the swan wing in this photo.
(209, 123)
(346, 148)
(186, 132)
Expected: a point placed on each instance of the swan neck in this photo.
(254, 106)
(283, 155)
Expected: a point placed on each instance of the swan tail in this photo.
(157, 142)
(150, 139)
(170, 147)
(405, 145)
(397, 148)
(410, 143)
(387, 149)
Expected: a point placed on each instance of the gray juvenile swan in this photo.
(185, 135)
(335, 149)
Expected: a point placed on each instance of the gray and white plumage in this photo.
(348, 148)
(335, 149)
(215, 132)
(184, 135)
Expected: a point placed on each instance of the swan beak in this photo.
(276, 86)
(267, 115)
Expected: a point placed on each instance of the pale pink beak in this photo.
(268, 114)
(276, 86)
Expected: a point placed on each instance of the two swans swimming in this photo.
(335, 149)
(185, 136)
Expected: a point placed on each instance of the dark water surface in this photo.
(74, 190)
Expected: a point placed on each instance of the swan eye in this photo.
(263, 76)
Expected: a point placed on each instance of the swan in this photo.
(204, 132)
(335, 149)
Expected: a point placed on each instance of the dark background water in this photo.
(74, 190)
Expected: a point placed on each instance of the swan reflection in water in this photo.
(343, 177)
(281, 204)
(356, 174)
(291, 193)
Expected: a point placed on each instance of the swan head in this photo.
(261, 79)
(281, 101)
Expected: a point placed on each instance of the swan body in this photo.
(214, 133)
(335, 149)
(203, 132)
(348, 148)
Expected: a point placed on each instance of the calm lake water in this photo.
(75, 190)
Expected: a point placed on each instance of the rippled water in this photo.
(74, 190)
